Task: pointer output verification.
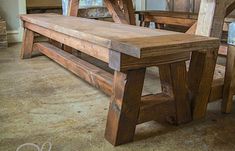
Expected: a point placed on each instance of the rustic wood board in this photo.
(135, 41)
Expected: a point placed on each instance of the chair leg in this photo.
(124, 106)
(229, 81)
(27, 46)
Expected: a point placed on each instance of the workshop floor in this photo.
(42, 102)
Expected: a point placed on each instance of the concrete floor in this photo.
(42, 102)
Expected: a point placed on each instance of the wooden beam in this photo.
(98, 52)
(128, 10)
(116, 12)
(200, 76)
(230, 8)
(159, 107)
(27, 46)
(122, 62)
(229, 82)
(90, 73)
(212, 23)
(122, 11)
(124, 106)
(73, 8)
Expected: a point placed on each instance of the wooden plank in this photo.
(174, 21)
(134, 41)
(90, 73)
(124, 106)
(98, 52)
(27, 46)
(159, 107)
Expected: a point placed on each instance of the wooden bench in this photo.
(128, 50)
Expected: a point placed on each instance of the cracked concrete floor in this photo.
(42, 102)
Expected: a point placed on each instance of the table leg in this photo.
(201, 71)
(124, 106)
(27, 46)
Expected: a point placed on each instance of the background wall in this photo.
(10, 10)
(156, 4)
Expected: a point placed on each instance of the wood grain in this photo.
(27, 46)
(135, 41)
(90, 73)
(124, 106)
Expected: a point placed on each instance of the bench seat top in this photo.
(134, 41)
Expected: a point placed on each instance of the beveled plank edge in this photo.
(189, 47)
(138, 52)
(90, 73)
(71, 41)
(122, 62)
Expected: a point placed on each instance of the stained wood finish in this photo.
(180, 92)
(116, 12)
(173, 79)
(73, 7)
(210, 23)
(122, 62)
(124, 106)
(134, 41)
(229, 81)
(201, 72)
(98, 52)
(128, 50)
(159, 107)
(27, 46)
(90, 73)
(122, 11)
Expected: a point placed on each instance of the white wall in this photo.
(156, 4)
(10, 10)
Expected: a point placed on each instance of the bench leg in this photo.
(124, 106)
(180, 91)
(229, 81)
(173, 81)
(27, 46)
(201, 71)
